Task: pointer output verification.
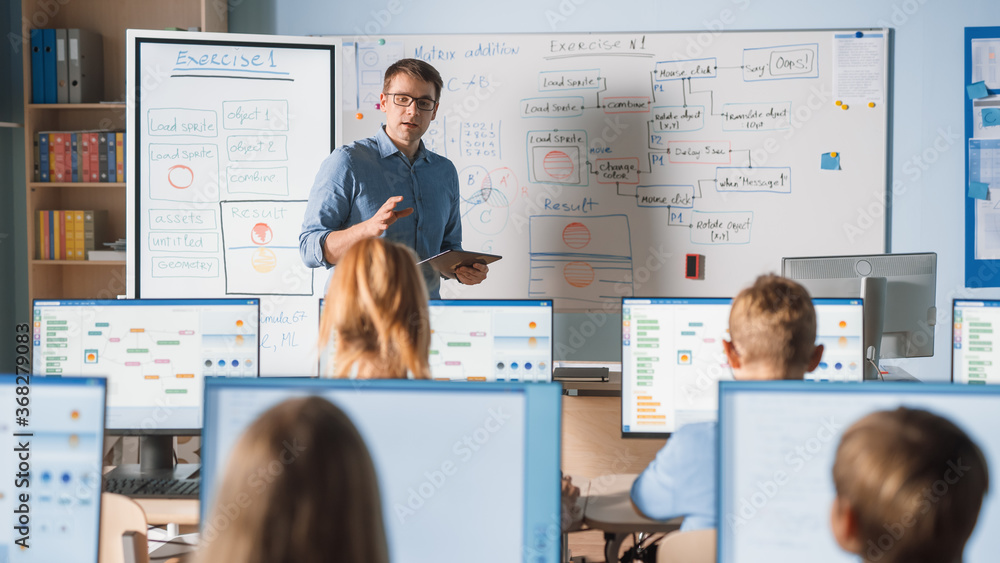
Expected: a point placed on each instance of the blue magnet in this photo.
(381, 41)
(859, 35)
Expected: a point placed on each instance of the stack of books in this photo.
(80, 156)
(68, 234)
(67, 66)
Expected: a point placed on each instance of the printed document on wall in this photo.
(986, 62)
(984, 166)
(859, 68)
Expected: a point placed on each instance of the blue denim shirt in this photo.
(681, 481)
(357, 179)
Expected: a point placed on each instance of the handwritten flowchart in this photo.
(666, 144)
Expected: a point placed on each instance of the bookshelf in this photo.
(71, 279)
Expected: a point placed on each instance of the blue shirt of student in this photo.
(357, 179)
(681, 481)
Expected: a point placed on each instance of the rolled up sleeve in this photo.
(328, 209)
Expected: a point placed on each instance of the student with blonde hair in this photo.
(909, 488)
(299, 487)
(772, 328)
(376, 313)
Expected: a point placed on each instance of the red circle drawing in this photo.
(578, 274)
(576, 235)
(180, 176)
(558, 165)
(261, 234)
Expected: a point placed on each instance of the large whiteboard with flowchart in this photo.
(594, 163)
(227, 135)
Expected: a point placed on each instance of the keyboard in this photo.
(153, 488)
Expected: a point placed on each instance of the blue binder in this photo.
(49, 65)
(37, 68)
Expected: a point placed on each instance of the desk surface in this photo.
(609, 507)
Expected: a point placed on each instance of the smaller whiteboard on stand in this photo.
(226, 133)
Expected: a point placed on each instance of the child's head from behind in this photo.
(772, 327)
(299, 486)
(376, 309)
(909, 488)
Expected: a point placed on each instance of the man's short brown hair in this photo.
(415, 68)
(915, 483)
(773, 321)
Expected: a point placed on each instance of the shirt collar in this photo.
(387, 148)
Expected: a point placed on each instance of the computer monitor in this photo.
(900, 312)
(485, 340)
(499, 442)
(491, 340)
(50, 476)
(975, 357)
(672, 357)
(155, 354)
(778, 441)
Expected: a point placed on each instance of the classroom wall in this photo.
(13, 281)
(926, 211)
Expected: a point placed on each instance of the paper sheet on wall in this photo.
(984, 166)
(859, 68)
(986, 62)
(979, 130)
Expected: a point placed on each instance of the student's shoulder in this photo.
(697, 433)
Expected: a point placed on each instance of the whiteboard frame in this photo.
(133, 90)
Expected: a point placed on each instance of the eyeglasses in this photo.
(404, 100)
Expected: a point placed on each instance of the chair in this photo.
(697, 546)
(120, 514)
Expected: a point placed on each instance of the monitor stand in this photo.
(896, 373)
(156, 461)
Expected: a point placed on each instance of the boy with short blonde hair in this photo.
(909, 488)
(772, 328)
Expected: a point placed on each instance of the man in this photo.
(390, 185)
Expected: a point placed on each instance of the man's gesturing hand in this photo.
(386, 215)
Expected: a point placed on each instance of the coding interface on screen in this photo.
(672, 357)
(154, 352)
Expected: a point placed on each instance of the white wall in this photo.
(927, 211)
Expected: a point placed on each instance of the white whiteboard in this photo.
(227, 132)
(594, 162)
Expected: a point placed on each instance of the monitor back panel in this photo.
(778, 441)
(462, 467)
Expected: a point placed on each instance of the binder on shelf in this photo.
(119, 156)
(62, 68)
(112, 164)
(95, 156)
(37, 68)
(36, 176)
(86, 66)
(84, 156)
(102, 147)
(78, 239)
(94, 224)
(74, 145)
(49, 64)
(43, 157)
(40, 235)
(57, 157)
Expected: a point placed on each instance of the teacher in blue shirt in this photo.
(390, 185)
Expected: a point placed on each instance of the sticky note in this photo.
(991, 117)
(979, 190)
(977, 90)
(830, 161)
